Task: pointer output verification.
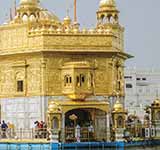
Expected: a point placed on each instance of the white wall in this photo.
(145, 88)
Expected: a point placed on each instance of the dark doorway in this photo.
(83, 118)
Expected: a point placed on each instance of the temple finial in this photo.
(67, 8)
(75, 10)
(15, 8)
(11, 15)
(157, 94)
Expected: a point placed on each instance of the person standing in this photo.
(36, 129)
(4, 128)
(78, 133)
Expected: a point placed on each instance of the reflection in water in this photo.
(144, 148)
(133, 148)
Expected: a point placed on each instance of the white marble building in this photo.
(141, 87)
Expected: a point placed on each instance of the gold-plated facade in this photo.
(78, 80)
(43, 56)
(39, 49)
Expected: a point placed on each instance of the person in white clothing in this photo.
(78, 133)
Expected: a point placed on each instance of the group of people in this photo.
(7, 129)
(78, 132)
(40, 129)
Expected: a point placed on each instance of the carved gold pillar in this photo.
(108, 125)
(43, 77)
(63, 128)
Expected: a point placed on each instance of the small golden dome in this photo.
(30, 2)
(54, 108)
(84, 30)
(118, 106)
(106, 3)
(46, 15)
(67, 20)
(156, 101)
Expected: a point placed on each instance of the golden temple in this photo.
(44, 60)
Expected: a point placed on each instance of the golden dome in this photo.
(118, 106)
(104, 3)
(67, 20)
(46, 15)
(54, 108)
(31, 2)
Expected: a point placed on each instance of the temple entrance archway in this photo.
(82, 113)
(91, 124)
(83, 117)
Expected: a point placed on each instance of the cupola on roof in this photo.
(106, 3)
(32, 2)
(31, 11)
(118, 106)
(156, 102)
(46, 15)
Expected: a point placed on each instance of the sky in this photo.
(139, 17)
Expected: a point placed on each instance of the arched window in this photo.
(77, 81)
(20, 86)
(109, 18)
(70, 79)
(92, 80)
(120, 122)
(119, 85)
(67, 80)
(158, 115)
(102, 18)
(129, 86)
(55, 123)
(25, 18)
(116, 18)
(19, 82)
(32, 18)
(80, 80)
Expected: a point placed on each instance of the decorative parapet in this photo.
(73, 38)
(52, 31)
(28, 38)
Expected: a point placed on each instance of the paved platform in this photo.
(24, 141)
